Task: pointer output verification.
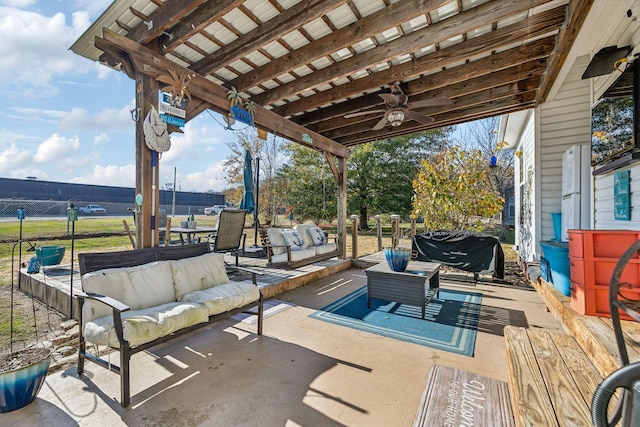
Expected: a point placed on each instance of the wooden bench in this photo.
(108, 263)
(552, 379)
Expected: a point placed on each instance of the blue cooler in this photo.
(557, 254)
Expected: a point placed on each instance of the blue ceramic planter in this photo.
(20, 386)
(397, 258)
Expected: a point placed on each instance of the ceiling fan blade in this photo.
(362, 113)
(420, 118)
(381, 124)
(401, 98)
(390, 99)
(440, 100)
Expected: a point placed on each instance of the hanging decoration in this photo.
(155, 131)
(263, 134)
(244, 115)
(177, 86)
(234, 97)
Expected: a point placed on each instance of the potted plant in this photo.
(22, 372)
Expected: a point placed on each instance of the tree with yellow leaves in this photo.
(452, 191)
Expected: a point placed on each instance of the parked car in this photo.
(214, 210)
(92, 210)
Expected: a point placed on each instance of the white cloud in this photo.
(56, 148)
(119, 176)
(18, 3)
(100, 138)
(34, 50)
(212, 178)
(106, 119)
(192, 143)
(14, 161)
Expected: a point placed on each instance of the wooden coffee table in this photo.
(415, 286)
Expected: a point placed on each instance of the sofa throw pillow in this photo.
(294, 239)
(318, 236)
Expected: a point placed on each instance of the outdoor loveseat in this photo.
(133, 300)
(295, 247)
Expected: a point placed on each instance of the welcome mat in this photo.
(450, 322)
(459, 398)
(271, 307)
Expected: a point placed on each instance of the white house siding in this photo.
(525, 193)
(563, 121)
(621, 32)
(603, 214)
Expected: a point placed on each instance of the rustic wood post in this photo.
(354, 236)
(167, 232)
(379, 231)
(395, 230)
(413, 228)
(147, 175)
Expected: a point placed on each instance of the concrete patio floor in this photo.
(301, 372)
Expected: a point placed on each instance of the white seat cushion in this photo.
(326, 248)
(222, 298)
(295, 256)
(276, 238)
(139, 287)
(143, 326)
(198, 273)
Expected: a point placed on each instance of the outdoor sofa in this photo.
(132, 300)
(294, 247)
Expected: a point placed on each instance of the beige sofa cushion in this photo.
(198, 273)
(139, 287)
(222, 298)
(145, 325)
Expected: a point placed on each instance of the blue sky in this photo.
(66, 118)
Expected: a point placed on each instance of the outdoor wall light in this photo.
(395, 117)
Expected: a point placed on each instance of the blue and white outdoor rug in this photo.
(450, 321)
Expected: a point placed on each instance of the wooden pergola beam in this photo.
(392, 15)
(209, 12)
(154, 65)
(163, 18)
(479, 16)
(577, 13)
(294, 17)
(507, 66)
(531, 28)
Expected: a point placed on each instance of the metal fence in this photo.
(52, 208)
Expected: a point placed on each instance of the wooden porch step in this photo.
(552, 380)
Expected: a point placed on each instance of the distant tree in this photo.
(271, 158)
(453, 192)
(483, 135)
(233, 165)
(310, 186)
(380, 173)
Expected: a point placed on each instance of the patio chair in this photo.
(230, 235)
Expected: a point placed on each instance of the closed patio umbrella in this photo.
(247, 198)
